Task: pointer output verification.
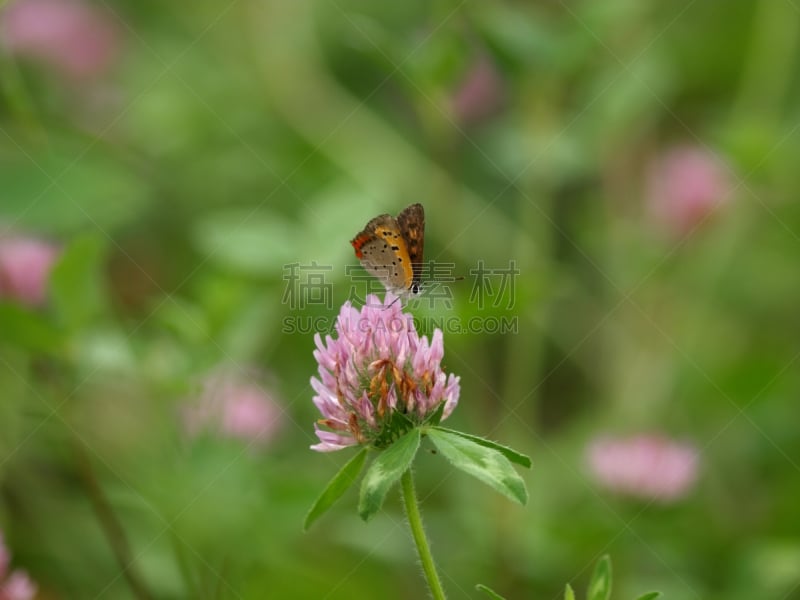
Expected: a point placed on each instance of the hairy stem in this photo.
(417, 530)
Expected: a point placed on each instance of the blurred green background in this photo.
(635, 160)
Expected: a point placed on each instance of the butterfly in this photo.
(391, 249)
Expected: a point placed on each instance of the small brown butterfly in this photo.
(391, 249)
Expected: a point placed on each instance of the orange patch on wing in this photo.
(398, 247)
(358, 242)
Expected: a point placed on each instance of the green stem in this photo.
(417, 530)
(15, 92)
(111, 526)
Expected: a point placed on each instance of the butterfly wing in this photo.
(412, 227)
(383, 252)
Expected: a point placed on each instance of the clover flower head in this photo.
(69, 36)
(25, 266)
(14, 585)
(235, 404)
(649, 467)
(685, 186)
(480, 94)
(378, 377)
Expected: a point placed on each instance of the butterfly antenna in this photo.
(391, 303)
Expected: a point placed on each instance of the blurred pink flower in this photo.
(70, 36)
(480, 94)
(15, 585)
(645, 466)
(684, 186)
(25, 265)
(377, 368)
(234, 405)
